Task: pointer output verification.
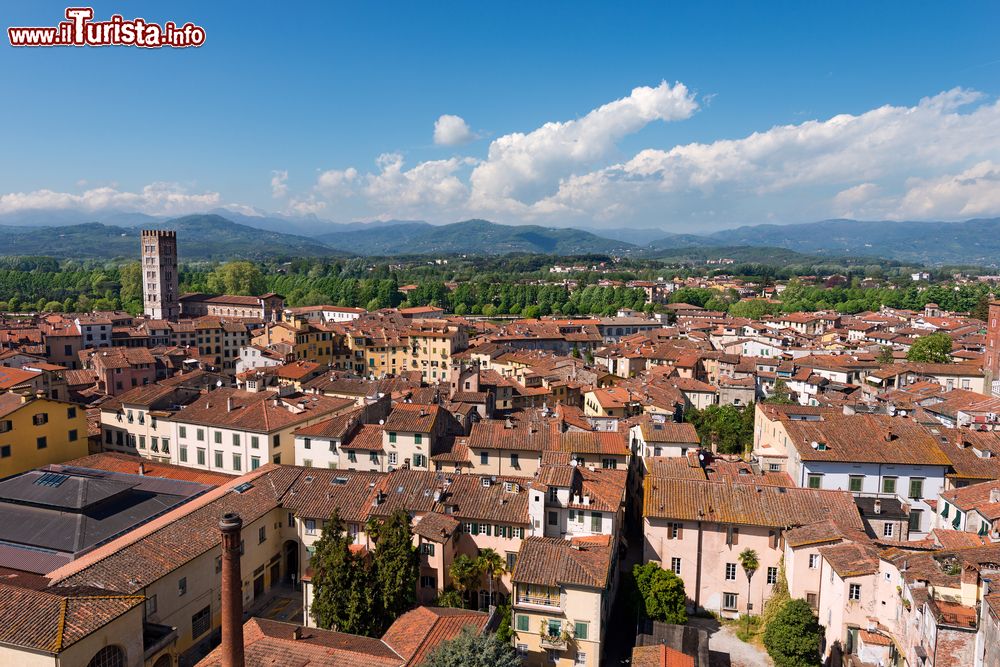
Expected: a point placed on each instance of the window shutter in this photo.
(736, 536)
(680, 530)
(475, 529)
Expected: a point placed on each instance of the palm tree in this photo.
(492, 565)
(465, 573)
(748, 559)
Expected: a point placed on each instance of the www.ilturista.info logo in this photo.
(80, 30)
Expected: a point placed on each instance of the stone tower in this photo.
(159, 275)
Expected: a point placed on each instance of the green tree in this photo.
(792, 639)
(471, 649)
(885, 355)
(935, 348)
(130, 276)
(343, 598)
(466, 574)
(779, 596)
(780, 395)
(450, 597)
(397, 566)
(504, 630)
(751, 563)
(492, 565)
(662, 593)
(753, 309)
(728, 427)
(52, 306)
(242, 278)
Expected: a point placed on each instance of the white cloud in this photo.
(973, 192)
(432, 185)
(521, 167)
(308, 205)
(337, 182)
(279, 183)
(452, 131)
(155, 199)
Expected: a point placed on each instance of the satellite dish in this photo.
(218, 383)
(381, 422)
(814, 444)
(574, 463)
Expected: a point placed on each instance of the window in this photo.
(254, 462)
(71, 413)
(42, 442)
(182, 431)
(72, 435)
(417, 438)
(373, 457)
(772, 575)
(352, 456)
(307, 443)
(261, 535)
(553, 518)
(522, 623)
(774, 467)
(888, 485)
(596, 520)
(916, 488)
(392, 458)
(419, 460)
(218, 437)
(581, 659)
(609, 464)
(427, 548)
(813, 561)
(854, 592)
(522, 649)
(915, 520)
(237, 462)
(428, 581)
(511, 558)
(887, 530)
(675, 565)
(484, 458)
(201, 456)
(142, 442)
(815, 481)
(182, 586)
(5, 452)
(674, 530)
(200, 435)
(200, 622)
(150, 605)
(729, 601)
(218, 459)
(254, 442)
(310, 526)
(855, 483)
(514, 461)
(730, 571)
(392, 438)
(812, 599)
(553, 494)
(40, 419)
(183, 453)
(6, 425)
(732, 536)
(218, 564)
(236, 439)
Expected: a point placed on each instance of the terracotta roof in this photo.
(412, 418)
(865, 438)
(436, 526)
(256, 411)
(852, 559)
(54, 619)
(335, 428)
(550, 561)
(660, 656)
(747, 504)
(127, 463)
(367, 438)
(417, 632)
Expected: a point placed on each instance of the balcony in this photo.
(547, 602)
(557, 643)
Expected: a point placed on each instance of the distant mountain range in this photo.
(226, 234)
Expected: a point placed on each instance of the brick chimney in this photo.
(232, 592)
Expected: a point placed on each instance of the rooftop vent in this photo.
(243, 488)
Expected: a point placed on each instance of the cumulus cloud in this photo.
(432, 185)
(337, 182)
(279, 183)
(452, 131)
(158, 198)
(973, 192)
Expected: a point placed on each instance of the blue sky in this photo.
(290, 112)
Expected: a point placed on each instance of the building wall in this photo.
(577, 605)
(159, 275)
(22, 436)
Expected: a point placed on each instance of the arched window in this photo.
(109, 656)
(164, 661)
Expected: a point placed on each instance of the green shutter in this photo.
(581, 630)
(475, 529)
(522, 623)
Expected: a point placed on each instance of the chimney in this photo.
(297, 633)
(229, 404)
(877, 508)
(142, 468)
(232, 592)
(995, 495)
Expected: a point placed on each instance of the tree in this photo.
(343, 600)
(465, 574)
(729, 428)
(243, 278)
(885, 355)
(792, 639)
(662, 593)
(935, 348)
(492, 565)
(130, 276)
(450, 598)
(779, 596)
(750, 562)
(397, 566)
(780, 395)
(504, 629)
(471, 649)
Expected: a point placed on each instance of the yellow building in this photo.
(36, 431)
